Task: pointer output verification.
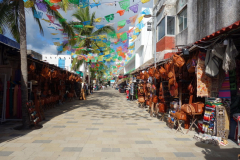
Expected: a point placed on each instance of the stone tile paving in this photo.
(105, 126)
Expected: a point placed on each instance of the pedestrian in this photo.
(103, 87)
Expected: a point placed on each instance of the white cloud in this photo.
(50, 49)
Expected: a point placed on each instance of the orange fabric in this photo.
(121, 12)
(133, 19)
(119, 48)
(119, 27)
(55, 1)
(131, 30)
(55, 7)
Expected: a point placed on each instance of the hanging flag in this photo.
(133, 19)
(42, 6)
(78, 26)
(56, 38)
(61, 20)
(37, 14)
(140, 18)
(28, 4)
(83, 3)
(110, 24)
(128, 21)
(88, 26)
(99, 26)
(109, 17)
(74, 1)
(140, 25)
(95, 4)
(86, 23)
(51, 18)
(56, 43)
(109, 4)
(137, 30)
(134, 37)
(124, 4)
(146, 11)
(134, 8)
(124, 36)
(55, 7)
(60, 48)
(121, 12)
(46, 20)
(98, 20)
(145, 1)
(122, 23)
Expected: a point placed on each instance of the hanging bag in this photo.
(178, 60)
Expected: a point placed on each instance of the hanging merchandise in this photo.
(124, 4)
(140, 18)
(51, 18)
(98, 20)
(133, 19)
(204, 82)
(29, 4)
(121, 12)
(134, 8)
(145, 1)
(38, 14)
(109, 17)
(41, 6)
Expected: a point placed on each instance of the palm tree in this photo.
(12, 15)
(83, 15)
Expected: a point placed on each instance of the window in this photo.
(161, 29)
(182, 20)
(170, 25)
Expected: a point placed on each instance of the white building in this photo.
(143, 45)
(62, 61)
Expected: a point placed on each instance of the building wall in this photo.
(53, 59)
(34, 54)
(206, 17)
(166, 43)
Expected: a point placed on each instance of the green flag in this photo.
(121, 23)
(78, 26)
(109, 17)
(124, 4)
(123, 36)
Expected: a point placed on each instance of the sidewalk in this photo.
(106, 126)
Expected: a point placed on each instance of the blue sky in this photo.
(44, 44)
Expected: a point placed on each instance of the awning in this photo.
(7, 41)
(222, 31)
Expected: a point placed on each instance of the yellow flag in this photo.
(54, 33)
(56, 43)
(145, 1)
(133, 37)
(106, 53)
(88, 26)
(140, 18)
(98, 20)
(100, 58)
(46, 20)
(137, 30)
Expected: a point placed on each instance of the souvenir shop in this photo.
(48, 86)
(197, 88)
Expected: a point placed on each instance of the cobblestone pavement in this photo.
(105, 126)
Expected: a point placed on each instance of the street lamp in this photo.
(153, 35)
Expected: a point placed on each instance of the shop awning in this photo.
(220, 32)
(7, 41)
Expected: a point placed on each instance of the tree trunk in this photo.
(23, 53)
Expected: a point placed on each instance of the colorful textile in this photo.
(124, 4)
(224, 91)
(98, 20)
(42, 6)
(51, 18)
(121, 23)
(140, 18)
(134, 8)
(121, 12)
(109, 17)
(133, 19)
(204, 83)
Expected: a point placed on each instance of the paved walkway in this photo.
(105, 126)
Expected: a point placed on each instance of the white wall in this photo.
(53, 59)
